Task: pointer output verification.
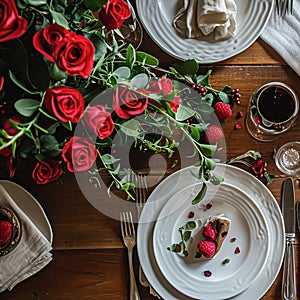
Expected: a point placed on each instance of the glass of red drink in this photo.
(273, 109)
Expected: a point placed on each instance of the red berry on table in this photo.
(209, 232)
(237, 126)
(213, 134)
(191, 214)
(5, 232)
(223, 110)
(207, 273)
(207, 248)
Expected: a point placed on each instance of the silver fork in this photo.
(284, 6)
(141, 192)
(129, 239)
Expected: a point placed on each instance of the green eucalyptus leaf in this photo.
(122, 73)
(59, 19)
(49, 145)
(188, 67)
(203, 79)
(146, 59)
(130, 56)
(56, 73)
(67, 125)
(194, 132)
(36, 2)
(131, 128)
(108, 159)
(201, 127)
(27, 107)
(208, 150)
(226, 89)
(224, 97)
(216, 179)
(200, 195)
(209, 163)
(99, 44)
(139, 81)
(94, 5)
(183, 113)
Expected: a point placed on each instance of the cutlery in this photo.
(298, 214)
(288, 291)
(284, 6)
(141, 196)
(129, 239)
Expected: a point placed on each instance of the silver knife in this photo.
(288, 291)
(298, 214)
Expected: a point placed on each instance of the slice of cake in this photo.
(214, 232)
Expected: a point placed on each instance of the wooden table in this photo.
(89, 258)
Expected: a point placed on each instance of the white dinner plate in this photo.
(157, 17)
(30, 206)
(251, 186)
(248, 227)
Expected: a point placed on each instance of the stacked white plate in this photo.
(157, 17)
(256, 225)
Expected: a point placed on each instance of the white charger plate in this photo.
(242, 180)
(248, 226)
(157, 17)
(30, 206)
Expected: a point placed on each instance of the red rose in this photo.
(1, 83)
(10, 131)
(175, 103)
(127, 103)
(46, 171)
(12, 25)
(66, 104)
(259, 168)
(46, 40)
(114, 13)
(163, 85)
(75, 55)
(79, 153)
(99, 121)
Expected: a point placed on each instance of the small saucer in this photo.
(8, 215)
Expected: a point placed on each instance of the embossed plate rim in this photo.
(251, 185)
(252, 17)
(245, 215)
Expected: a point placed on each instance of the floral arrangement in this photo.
(56, 58)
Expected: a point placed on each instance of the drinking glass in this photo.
(130, 32)
(272, 110)
(287, 158)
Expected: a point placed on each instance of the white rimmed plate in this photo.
(30, 206)
(157, 17)
(237, 177)
(248, 226)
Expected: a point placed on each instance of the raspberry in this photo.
(207, 248)
(5, 232)
(223, 110)
(213, 134)
(207, 273)
(209, 232)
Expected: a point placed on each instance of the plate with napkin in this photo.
(208, 31)
(32, 251)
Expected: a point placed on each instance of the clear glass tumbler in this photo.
(273, 109)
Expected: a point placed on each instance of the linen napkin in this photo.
(203, 17)
(282, 34)
(30, 255)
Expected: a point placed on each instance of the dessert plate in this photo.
(244, 181)
(157, 17)
(248, 227)
(30, 206)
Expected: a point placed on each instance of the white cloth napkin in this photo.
(30, 255)
(282, 34)
(203, 17)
